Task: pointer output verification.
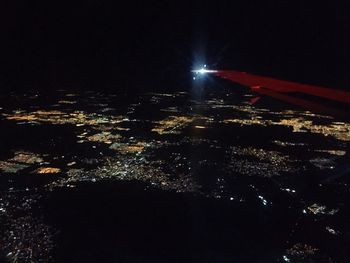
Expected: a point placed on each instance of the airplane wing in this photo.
(285, 91)
(283, 86)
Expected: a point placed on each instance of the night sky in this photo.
(151, 44)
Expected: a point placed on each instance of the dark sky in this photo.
(106, 43)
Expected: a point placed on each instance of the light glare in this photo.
(203, 71)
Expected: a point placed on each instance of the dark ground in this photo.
(171, 177)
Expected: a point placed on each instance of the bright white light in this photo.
(286, 259)
(203, 71)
